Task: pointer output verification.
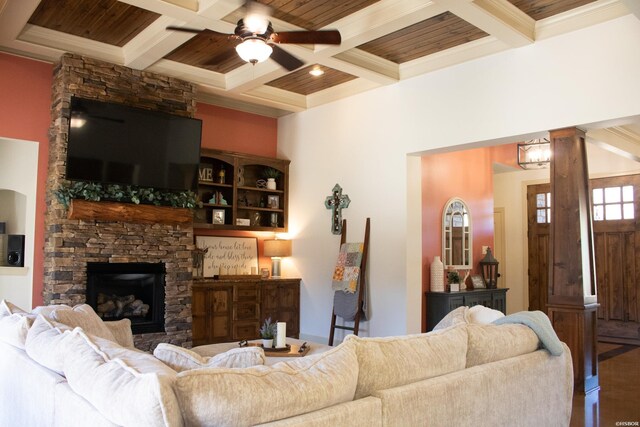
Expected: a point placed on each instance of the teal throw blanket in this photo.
(540, 324)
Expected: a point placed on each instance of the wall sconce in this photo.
(276, 249)
(489, 270)
(534, 154)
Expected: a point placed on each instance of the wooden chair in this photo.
(361, 284)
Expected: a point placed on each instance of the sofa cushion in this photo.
(458, 316)
(83, 316)
(490, 343)
(393, 361)
(46, 343)
(181, 359)
(248, 396)
(128, 387)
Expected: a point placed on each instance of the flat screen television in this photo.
(115, 144)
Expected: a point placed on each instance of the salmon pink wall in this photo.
(232, 130)
(25, 92)
(465, 174)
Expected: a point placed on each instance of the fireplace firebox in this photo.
(128, 290)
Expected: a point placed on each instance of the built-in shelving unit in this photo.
(233, 196)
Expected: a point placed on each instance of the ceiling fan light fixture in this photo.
(254, 50)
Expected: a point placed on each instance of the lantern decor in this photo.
(489, 270)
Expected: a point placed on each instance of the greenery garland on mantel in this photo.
(94, 191)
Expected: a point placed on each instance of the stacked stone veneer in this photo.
(71, 244)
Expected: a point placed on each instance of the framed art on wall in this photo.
(228, 255)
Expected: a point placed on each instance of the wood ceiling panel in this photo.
(433, 35)
(106, 21)
(208, 47)
(314, 14)
(303, 83)
(540, 9)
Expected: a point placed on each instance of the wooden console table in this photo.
(441, 303)
(233, 310)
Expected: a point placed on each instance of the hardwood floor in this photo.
(617, 403)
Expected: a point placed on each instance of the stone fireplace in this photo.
(73, 244)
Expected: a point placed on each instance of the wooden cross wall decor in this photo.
(336, 202)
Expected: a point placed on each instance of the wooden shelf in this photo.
(264, 190)
(128, 212)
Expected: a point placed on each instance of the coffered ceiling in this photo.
(383, 41)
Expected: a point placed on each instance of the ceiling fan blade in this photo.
(195, 31)
(307, 37)
(184, 30)
(285, 59)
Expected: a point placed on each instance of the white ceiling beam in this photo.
(580, 17)
(190, 73)
(618, 139)
(340, 91)
(70, 43)
(13, 17)
(498, 18)
(237, 104)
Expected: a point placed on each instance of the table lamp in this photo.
(276, 249)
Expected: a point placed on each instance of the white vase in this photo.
(271, 183)
(437, 275)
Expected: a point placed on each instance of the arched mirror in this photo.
(456, 235)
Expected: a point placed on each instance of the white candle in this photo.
(281, 340)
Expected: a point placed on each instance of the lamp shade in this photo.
(277, 248)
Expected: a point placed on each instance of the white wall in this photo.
(510, 192)
(361, 142)
(18, 173)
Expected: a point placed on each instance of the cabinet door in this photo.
(483, 298)
(221, 308)
(199, 310)
(455, 302)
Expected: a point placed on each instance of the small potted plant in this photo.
(453, 278)
(267, 333)
(271, 174)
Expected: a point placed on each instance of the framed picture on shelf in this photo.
(477, 281)
(217, 216)
(273, 202)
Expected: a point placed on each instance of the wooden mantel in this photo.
(128, 212)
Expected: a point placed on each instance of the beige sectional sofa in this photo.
(466, 374)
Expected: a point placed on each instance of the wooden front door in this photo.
(616, 228)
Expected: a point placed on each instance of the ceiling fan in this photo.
(258, 40)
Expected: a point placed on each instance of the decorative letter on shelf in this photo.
(336, 202)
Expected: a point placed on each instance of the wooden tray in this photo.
(292, 350)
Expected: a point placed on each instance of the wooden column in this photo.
(572, 300)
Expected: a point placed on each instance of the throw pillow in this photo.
(121, 330)
(181, 359)
(481, 315)
(14, 328)
(7, 309)
(45, 343)
(82, 315)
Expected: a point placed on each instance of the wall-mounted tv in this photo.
(116, 144)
